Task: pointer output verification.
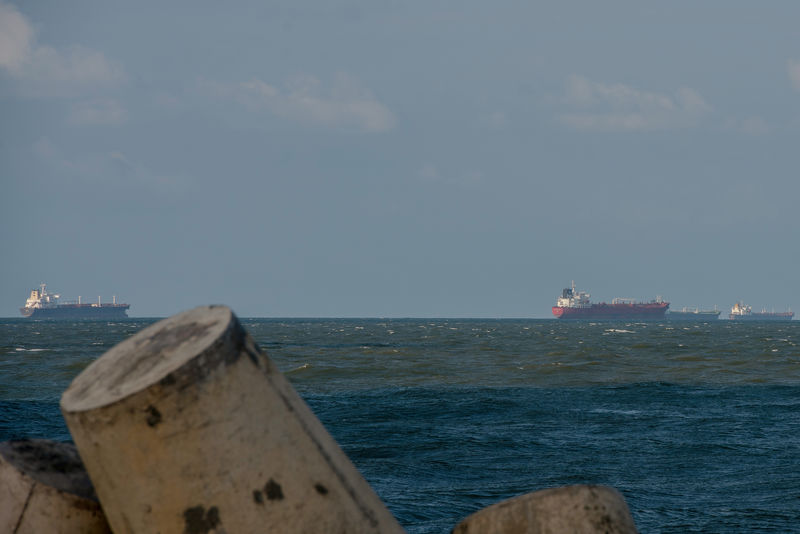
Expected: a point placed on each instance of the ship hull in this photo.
(78, 311)
(692, 316)
(787, 316)
(602, 311)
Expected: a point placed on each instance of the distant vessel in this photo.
(576, 305)
(696, 314)
(742, 312)
(44, 305)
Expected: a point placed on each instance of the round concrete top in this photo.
(147, 357)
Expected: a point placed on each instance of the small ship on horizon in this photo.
(742, 312)
(693, 314)
(575, 304)
(44, 305)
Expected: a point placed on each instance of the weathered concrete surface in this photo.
(580, 509)
(188, 427)
(44, 488)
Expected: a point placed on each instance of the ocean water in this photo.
(698, 425)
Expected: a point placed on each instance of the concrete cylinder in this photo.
(579, 509)
(44, 488)
(188, 427)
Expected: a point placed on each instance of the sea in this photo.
(696, 424)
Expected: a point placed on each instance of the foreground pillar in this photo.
(580, 509)
(187, 427)
(44, 488)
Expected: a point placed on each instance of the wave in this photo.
(301, 368)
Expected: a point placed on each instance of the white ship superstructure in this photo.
(741, 310)
(573, 299)
(40, 299)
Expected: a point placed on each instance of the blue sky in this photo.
(399, 159)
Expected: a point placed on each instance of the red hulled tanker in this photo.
(576, 305)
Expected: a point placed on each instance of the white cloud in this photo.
(498, 120)
(42, 70)
(113, 170)
(748, 126)
(793, 68)
(597, 106)
(166, 100)
(346, 104)
(430, 174)
(98, 112)
(16, 36)
(116, 167)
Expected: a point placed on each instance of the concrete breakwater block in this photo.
(44, 488)
(579, 509)
(188, 427)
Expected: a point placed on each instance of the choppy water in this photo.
(698, 425)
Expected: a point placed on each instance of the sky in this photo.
(399, 159)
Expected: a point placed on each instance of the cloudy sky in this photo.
(399, 159)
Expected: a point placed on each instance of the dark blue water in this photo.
(698, 425)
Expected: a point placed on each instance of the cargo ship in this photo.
(696, 314)
(742, 312)
(575, 304)
(44, 305)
